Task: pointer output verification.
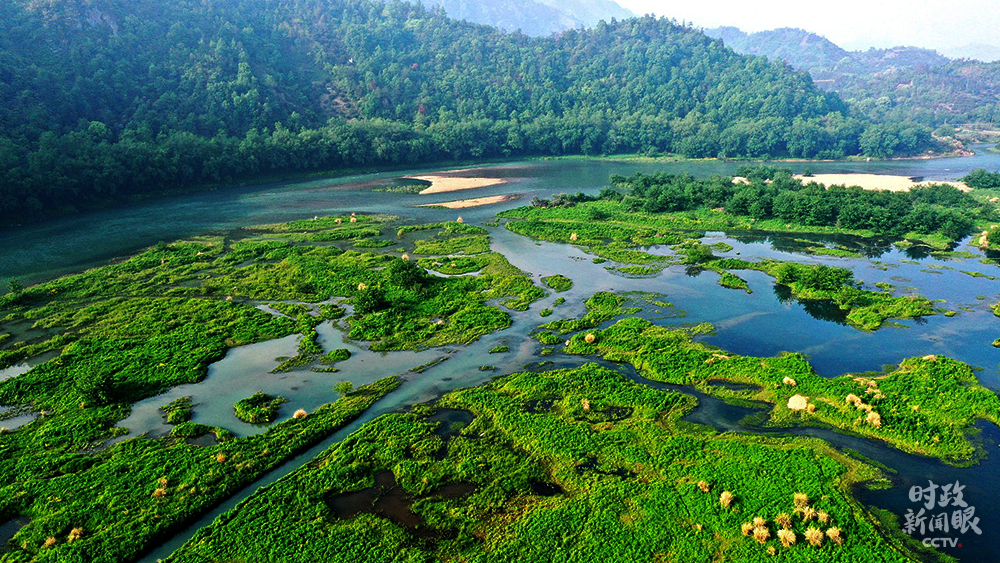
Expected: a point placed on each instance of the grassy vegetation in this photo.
(146, 488)
(558, 283)
(260, 408)
(602, 306)
(569, 465)
(130, 330)
(927, 405)
(178, 411)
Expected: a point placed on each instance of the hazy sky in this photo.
(853, 24)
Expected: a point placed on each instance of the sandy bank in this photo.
(464, 203)
(875, 181)
(442, 184)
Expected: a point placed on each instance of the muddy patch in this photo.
(390, 501)
(451, 422)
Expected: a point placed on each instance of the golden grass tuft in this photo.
(590, 338)
(823, 517)
(759, 522)
(585, 403)
(50, 541)
(301, 413)
(811, 408)
(835, 535)
(761, 534)
(853, 399)
(220, 458)
(814, 536)
(875, 419)
(704, 486)
(159, 493)
(362, 286)
(726, 499)
(573, 237)
(784, 520)
(787, 537)
(405, 256)
(746, 528)
(74, 534)
(163, 481)
(808, 513)
(801, 500)
(789, 381)
(459, 220)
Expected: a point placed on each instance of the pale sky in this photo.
(852, 24)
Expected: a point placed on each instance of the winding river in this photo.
(763, 323)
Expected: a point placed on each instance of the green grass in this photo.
(626, 467)
(558, 283)
(260, 408)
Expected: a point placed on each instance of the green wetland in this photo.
(622, 444)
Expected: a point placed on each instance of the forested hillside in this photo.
(533, 17)
(101, 99)
(898, 83)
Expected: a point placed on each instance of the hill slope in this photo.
(902, 82)
(104, 98)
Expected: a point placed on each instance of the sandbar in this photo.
(441, 184)
(476, 202)
(876, 181)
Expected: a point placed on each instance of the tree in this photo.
(406, 274)
(370, 300)
(14, 285)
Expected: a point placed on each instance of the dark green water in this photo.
(762, 324)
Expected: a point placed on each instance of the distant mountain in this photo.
(975, 51)
(533, 17)
(901, 82)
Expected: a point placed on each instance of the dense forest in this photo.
(106, 99)
(898, 83)
(772, 193)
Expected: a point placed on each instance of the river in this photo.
(763, 323)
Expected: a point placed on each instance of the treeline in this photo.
(770, 193)
(102, 99)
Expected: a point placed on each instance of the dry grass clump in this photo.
(590, 338)
(784, 520)
(585, 403)
(746, 528)
(823, 517)
(789, 381)
(875, 419)
(811, 408)
(301, 413)
(759, 522)
(405, 256)
(704, 486)
(787, 537)
(50, 541)
(726, 499)
(835, 535)
(459, 220)
(801, 500)
(814, 536)
(220, 458)
(808, 513)
(74, 534)
(160, 493)
(761, 534)
(362, 286)
(853, 399)
(573, 237)
(163, 481)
